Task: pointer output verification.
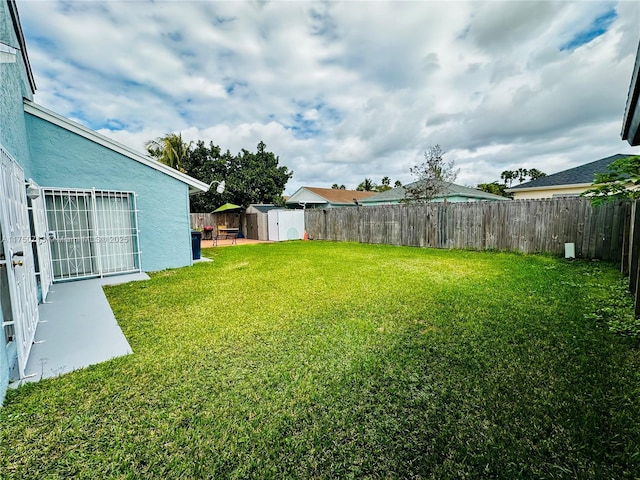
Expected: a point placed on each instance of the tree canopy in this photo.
(250, 177)
(520, 174)
(432, 177)
(169, 149)
(368, 185)
(495, 188)
(620, 182)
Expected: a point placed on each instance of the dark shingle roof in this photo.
(397, 194)
(583, 174)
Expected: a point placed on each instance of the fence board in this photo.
(528, 226)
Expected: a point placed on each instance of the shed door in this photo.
(17, 258)
(252, 226)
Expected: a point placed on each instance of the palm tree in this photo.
(522, 174)
(367, 185)
(170, 150)
(534, 173)
(508, 176)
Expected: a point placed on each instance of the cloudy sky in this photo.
(341, 91)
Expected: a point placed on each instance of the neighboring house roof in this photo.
(631, 119)
(398, 194)
(36, 110)
(582, 175)
(332, 196)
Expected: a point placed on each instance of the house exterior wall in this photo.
(305, 196)
(549, 192)
(63, 159)
(14, 85)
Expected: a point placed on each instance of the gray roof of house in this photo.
(397, 194)
(574, 176)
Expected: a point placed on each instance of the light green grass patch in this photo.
(328, 360)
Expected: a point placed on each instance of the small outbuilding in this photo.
(256, 221)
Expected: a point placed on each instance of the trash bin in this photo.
(196, 237)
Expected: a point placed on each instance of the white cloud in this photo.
(344, 90)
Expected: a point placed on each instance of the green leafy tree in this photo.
(335, 186)
(169, 149)
(620, 182)
(495, 188)
(432, 177)
(385, 184)
(249, 177)
(397, 184)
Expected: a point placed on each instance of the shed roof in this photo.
(262, 207)
(452, 189)
(580, 175)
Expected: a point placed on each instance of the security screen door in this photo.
(93, 233)
(16, 259)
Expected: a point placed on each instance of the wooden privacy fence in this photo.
(528, 226)
(199, 220)
(223, 219)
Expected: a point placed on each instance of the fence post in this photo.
(626, 237)
(633, 246)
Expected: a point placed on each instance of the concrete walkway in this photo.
(77, 329)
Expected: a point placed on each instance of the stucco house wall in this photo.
(61, 154)
(14, 86)
(67, 160)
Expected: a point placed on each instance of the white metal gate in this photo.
(45, 270)
(17, 257)
(93, 232)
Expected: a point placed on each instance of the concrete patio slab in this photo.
(77, 329)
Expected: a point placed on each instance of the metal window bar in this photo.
(96, 232)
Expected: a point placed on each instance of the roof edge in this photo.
(15, 19)
(631, 109)
(550, 187)
(39, 111)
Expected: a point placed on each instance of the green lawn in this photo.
(325, 360)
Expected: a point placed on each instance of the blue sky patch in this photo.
(598, 27)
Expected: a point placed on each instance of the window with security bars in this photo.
(92, 233)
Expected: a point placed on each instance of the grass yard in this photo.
(325, 360)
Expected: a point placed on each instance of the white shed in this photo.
(286, 225)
